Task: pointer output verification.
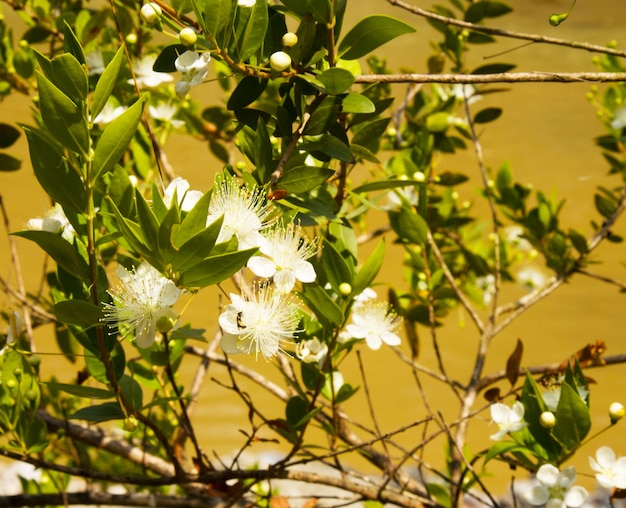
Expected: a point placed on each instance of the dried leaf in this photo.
(493, 394)
(514, 362)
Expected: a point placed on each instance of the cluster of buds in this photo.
(281, 61)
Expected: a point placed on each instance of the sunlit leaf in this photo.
(371, 33)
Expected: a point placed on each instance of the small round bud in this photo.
(17, 372)
(612, 44)
(165, 324)
(187, 36)
(345, 289)
(419, 176)
(130, 424)
(289, 40)
(150, 13)
(11, 384)
(616, 412)
(280, 61)
(34, 360)
(392, 132)
(240, 165)
(24, 44)
(131, 38)
(547, 419)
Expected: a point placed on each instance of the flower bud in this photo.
(345, 289)
(130, 424)
(131, 38)
(289, 40)
(616, 412)
(165, 324)
(547, 419)
(280, 61)
(187, 36)
(150, 13)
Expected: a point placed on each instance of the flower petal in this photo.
(576, 496)
(548, 475)
(537, 495)
(262, 266)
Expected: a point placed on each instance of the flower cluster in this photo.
(373, 321)
(555, 488)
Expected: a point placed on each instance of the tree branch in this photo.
(500, 77)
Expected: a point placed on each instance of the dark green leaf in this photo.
(115, 139)
(335, 267)
(63, 119)
(327, 311)
(324, 116)
(59, 249)
(132, 391)
(296, 410)
(311, 376)
(251, 33)
(367, 273)
(9, 163)
(303, 178)
(8, 135)
(247, 91)
(336, 80)
(100, 413)
(487, 115)
(485, 9)
(194, 222)
(495, 68)
(78, 312)
(371, 33)
(449, 179)
(168, 55)
(573, 420)
(216, 15)
(357, 103)
(605, 207)
(70, 77)
(71, 44)
(87, 392)
(197, 248)
(214, 269)
(412, 227)
(329, 145)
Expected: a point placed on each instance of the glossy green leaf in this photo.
(369, 270)
(327, 311)
(487, 115)
(215, 269)
(303, 178)
(324, 116)
(412, 227)
(60, 181)
(295, 411)
(369, 134)
(335, 267)
(165, 62)
(87, 392)
(247, 91)
(115, 140)
(59, 249)
(250, 28)
(71, 44)
(336, 80)
(311, 376)
(534, 405)
(217, 14)
(329, 145)
(386, 185)
(495, 68)
(106, 83)
(573, 420)
(78, 312)
(8, 135)
(70, 77)
(99, 413)
(194, 222)
(131, 231)
(132, 391)
(197, 248)
(63, 119)
(371, 33)
(320, 9)
(357, 103)
(147, 221)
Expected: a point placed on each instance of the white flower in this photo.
(364, 296)
(194, 69)
(554, 489)
(619, 119)
(165, 113)
(375, 322)
(553, 395)
(54, 221)
(514, 236)
(312, 351)
(107, 114)
(287, 251)
(509, 419)
(531, 277)
(246, 3)
(245, 213)
(142, 298)
(146, 76)
(261, 323)
(95, 62)
(397, 197)
(469, 92)
(611, 470)
(186, 198)
(487, 285)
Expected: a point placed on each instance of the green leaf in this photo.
(132, 391)
(71, 44)
(605, 207)
(214, 269)
(485, 9)
(9, 163)
(99, 413)
(495, 68)
(295, 411)
(370, 133)
(263, 152)
(320, 9)
(573, 420)
(327, 311)
(87, 392)
(336, 80)
(385, 185)
(335, 267)
(368, 272)
(147, 221)
(324, 116)
(60, 181)
(311, 376)
(331, 146)
(449, 179)
(487, 115)
(61, 251)
(534, 405)
(165, 62)
(371, 33)
(106, 83)
(412, 227)
(250, 28)
(247, 91)
(8, 135)
(63, 119)
(217, 14)
(357, 103)
(78, 312)
(303, 178)
(198, 247)
(115, 140)
(70, 77)
(131, 231)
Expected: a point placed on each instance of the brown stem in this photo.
(502, 77)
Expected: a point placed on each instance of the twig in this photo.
(542, 39)
(501, 77)
(603, 278)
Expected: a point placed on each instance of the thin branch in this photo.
(542, 39)
(603, 278)
(501, 77)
